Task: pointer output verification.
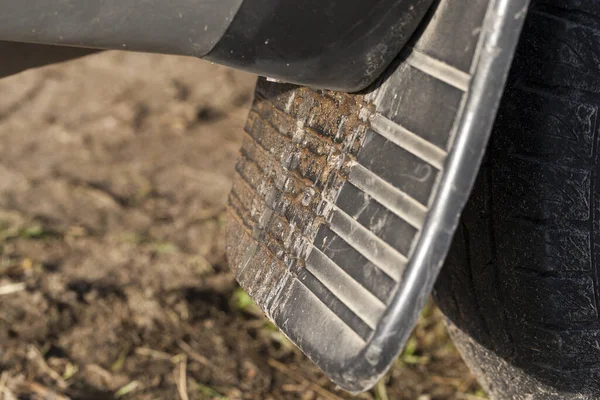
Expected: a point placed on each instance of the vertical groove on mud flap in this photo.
(343, 188)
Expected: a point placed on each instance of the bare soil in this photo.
(114, 174)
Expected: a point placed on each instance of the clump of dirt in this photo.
(114, 174)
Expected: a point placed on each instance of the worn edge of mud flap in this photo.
(351, 333)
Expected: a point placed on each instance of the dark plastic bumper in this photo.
(335, 44)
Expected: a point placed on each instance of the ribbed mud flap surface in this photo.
(344, 206)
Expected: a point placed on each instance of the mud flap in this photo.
(344, 206)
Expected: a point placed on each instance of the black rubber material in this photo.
(344, 205)
(521, 284)
(335, 44)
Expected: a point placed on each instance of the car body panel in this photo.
(336, 44)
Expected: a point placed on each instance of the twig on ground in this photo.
(42, 391)
(8, 395)
(194, 355)
(130, 387)
(381, 390)
(12, 288)
(103, 374)
(34, 354)
(442, 380)
(3, 379)
(295, 388)
(181, 377)
(147, 352)
(298, 377)
(5, 393)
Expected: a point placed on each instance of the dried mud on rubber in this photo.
(114, 175)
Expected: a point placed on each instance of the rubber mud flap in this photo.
(344, 205)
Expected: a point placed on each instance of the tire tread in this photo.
(522, 281)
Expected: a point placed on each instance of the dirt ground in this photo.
(114, 174)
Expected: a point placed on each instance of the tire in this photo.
(520, 288)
